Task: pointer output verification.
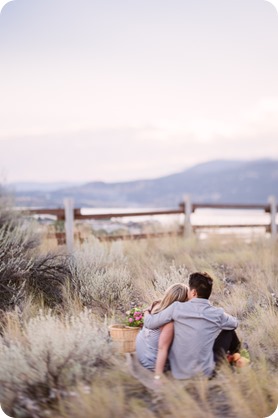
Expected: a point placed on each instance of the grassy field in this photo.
(56, 358)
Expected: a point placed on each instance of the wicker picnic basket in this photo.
(124, 337)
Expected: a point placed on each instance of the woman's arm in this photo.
(165, 340)
(159, 319)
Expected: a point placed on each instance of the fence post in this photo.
(187, 214)
(273, 211)
(69, 223)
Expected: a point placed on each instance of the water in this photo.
(198, 218)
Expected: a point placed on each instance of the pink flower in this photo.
(135, 317)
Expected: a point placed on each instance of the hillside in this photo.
(214, 181)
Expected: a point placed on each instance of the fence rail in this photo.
(60, 212)
(258, 206)
(69, 214)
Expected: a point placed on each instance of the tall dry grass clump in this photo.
(45, 357)
(100, 276)
(24, 270)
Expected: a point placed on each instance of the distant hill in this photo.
(25, 186)
(215, 181)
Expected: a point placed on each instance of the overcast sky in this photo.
(123, 89)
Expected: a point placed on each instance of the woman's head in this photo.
(178, 292)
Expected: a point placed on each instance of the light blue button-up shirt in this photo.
(197, 324)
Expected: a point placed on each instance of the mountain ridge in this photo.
(218, 181)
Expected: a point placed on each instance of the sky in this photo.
(121, 90)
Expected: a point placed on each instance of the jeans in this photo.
(226, 341)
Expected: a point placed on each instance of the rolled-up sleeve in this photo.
(153, 321)
(228, 322)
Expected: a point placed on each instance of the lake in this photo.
(199, 217)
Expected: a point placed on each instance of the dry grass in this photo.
(46, 356)
(62, 363)
(101, 277)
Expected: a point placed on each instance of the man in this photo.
(197, 324)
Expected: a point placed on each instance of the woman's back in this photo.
(152, 345)
(147, 347)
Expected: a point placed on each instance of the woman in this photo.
(152, 346)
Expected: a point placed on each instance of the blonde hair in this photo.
(178, 292)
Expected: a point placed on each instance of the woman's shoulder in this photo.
(181, 305)
(154, 305)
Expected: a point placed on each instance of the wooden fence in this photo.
(69, 214)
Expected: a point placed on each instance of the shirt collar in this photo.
(200, 300)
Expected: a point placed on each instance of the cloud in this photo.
(125, 153)
(135, 91)
(258, 120)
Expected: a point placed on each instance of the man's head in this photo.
(200, 285)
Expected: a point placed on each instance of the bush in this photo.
(100, 276)
(48, 355)
(16, 243)
(164, 279)
(48, 275)
(23, 270)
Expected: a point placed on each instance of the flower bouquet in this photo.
(135, 318)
